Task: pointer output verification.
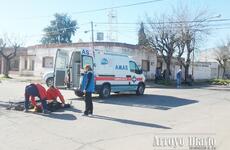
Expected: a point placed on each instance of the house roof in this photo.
(87, 44)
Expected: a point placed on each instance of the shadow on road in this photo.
(67, 117)
(160, 102)
(72, 108)
(131, 122)
(53, 115)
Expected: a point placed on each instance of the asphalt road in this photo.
(122, 122)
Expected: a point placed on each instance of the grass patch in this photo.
(220, 81)
(4, 78)
(165, 82)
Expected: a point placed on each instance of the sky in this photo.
(27, 18)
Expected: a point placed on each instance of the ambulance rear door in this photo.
(61, 68)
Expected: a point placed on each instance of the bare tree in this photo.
(8, 50)
(162, 37)
(191, 31)
(222, 55)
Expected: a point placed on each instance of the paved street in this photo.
(121, 122)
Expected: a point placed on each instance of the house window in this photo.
(14, 65)
(47, 62)
(145, 65)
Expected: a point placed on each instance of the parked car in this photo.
(48, 77)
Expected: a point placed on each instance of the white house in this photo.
(204, 70)
(208, 56)
(40, 58)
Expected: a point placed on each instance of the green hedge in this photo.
(165, 82)
(220, 82)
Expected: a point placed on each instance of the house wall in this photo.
(208, 55)
(205, 70)
(38, 53)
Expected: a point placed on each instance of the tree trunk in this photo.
(168, 72)
(223, 72)
(187, 65)
(186, 72)
(218, 76)
(224, 69)
(6, 68)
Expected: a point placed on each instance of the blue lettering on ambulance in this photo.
(85, 52)
(121, 67)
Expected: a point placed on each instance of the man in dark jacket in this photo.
(88, 88)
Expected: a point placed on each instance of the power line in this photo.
(116, 7)
(171, 22)
(211, 27)
(96, 10)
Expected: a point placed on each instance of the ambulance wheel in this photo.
(105, 91)
(140, 89)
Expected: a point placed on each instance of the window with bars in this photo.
(145, 65)
(47, 62)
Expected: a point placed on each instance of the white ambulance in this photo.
(113, 72)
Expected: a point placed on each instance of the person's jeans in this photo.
(44, 104)
(26, 103)
(88, 103)
(31, 90)
(178, 82)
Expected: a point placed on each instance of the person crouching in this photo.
(32, 91)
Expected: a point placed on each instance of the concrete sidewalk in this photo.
(18, 78)
(152, 84)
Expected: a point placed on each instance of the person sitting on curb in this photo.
(52, 94)
(35, 90)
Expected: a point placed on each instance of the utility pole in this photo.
(92, 32)
(193, 54)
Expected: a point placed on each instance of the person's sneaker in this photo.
(46, 112)
(85, 115)
(90, 115)
(25, 110)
